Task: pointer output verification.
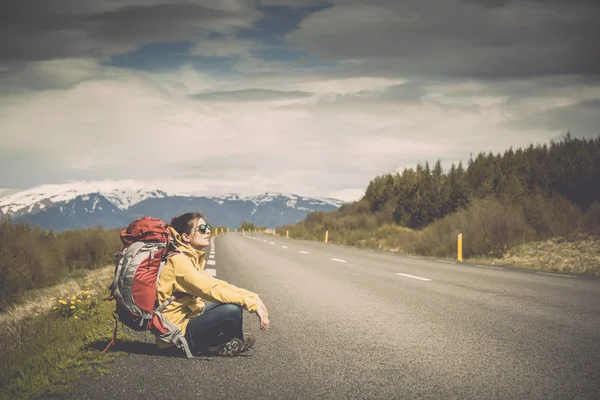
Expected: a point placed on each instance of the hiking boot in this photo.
(249, 341)
(231, 348)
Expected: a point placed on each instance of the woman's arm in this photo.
(202, 284)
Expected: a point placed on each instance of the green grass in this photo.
(43, 353)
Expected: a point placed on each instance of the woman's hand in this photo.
(263, 315)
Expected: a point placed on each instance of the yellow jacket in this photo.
(184, 273)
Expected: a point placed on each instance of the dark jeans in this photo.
(216, 325)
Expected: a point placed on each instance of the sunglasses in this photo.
(203, 228)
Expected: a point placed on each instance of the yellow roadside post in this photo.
(460, 247)
(287, 234)
(227, 230)
(326, 236)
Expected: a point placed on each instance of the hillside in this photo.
(498, 202)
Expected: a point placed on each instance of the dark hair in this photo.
(185, 222)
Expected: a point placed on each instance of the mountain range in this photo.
(114, 204)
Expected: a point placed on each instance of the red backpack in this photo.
(146, 247)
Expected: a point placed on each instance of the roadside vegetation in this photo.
(33, 258)
(51, 308)
(512, 208)
(249, 226)
(54, 335)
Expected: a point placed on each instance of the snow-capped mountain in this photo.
(114, 204)
(122, 194)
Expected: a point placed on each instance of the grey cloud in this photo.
(581, 119)
(250, 95)
(415, 38)
(44, 30)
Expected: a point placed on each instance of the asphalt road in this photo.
(345, 324)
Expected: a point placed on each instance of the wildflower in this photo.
(79, 301)
(75, 317)
(36, 314)
(73, 298)
(72, 307)
(55, 308)
(62, 302)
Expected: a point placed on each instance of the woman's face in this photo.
(195, 237)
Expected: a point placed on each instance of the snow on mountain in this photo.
(270, 196)
(123, 194)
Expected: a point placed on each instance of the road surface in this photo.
(352, 323)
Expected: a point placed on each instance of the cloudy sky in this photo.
(308, 97)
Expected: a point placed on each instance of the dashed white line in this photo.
(271, 243)
(413, 276)
(447, 262)
(416, 258)
(211, 271)
(284, 247)
(211, 256)
(303, 252)
(549, 273)
(338, 260)
(211, 262)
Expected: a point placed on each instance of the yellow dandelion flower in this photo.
(36, 314)
(55, 308)
(62, 302)
(76, 317)
(73, 298)
(79, 301)
(72, 307)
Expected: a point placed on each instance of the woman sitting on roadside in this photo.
(218, 325)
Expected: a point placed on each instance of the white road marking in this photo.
(338, 260)
(211, 271)
(412, 276)
(549, 273)
(271, 243)
(211, 262)
(447, 262)
(488, 266)
(284, 247)
(303, 252)
(211, 256)
(416, 258)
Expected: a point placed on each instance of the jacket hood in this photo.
(188, 250)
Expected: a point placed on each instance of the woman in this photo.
(218, 325)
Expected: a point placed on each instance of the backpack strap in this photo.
(182, 343)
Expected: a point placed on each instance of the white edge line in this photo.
(284, 247)
(562, 276)
(488, 266)
(413, 276)
(447, 262)
(338, 260)
(303, 252)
